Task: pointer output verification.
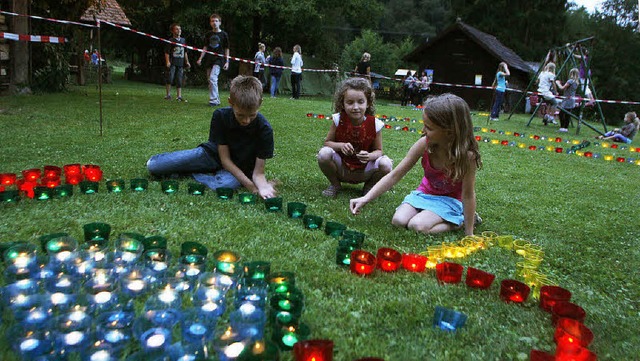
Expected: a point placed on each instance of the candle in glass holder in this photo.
(286, 307)
(20, 255)
(51, 171)
(343, 253)
(479, 279)
(154, 242)
(31, 175)
(155, 340)
(42, 193)
(447, 319)
(191, 247)
(50, 182)
(195, 329)
(362, 262)
(247, 198)
(139, 184)
(448, 272)
(92, 172)
(115, 185)
(355, 236)
(63, 191)
(97, 234)
(550, 295)
(312, 221)
(226, 262)
(72, 170)
(571, 333)
(89, 187)
(574, 353)
(7, 179)
(282, 282)
(313, 350)
(388, 259)
(296, 209)
(566, 309)
(334, 229)
(73, 179)
(224, 193)
(72, 330)
(414, 262)
(169, 186)
(196, 189)
(26, 187)
(10, 196)
(286, 335)
(273, 204)
(248, 322)
(514, 291)
(256, 270)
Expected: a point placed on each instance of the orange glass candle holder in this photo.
(362, 262)
(514, 291)
(388, 259)
(478, 278)
(448, 272)
(572, 333)
(414, 262)
(574, 354)
(313, 350)
(550, 295)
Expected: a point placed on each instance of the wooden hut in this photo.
(464, 55)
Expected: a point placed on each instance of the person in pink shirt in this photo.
(445, 200)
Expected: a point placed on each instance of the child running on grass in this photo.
(240, 141)
(352, 151)
(446, 197)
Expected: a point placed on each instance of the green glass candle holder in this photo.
(226, 262)
(169, 186)
(154, 242)
(296, 209)
(42, 193)
(285, 335)
(286, 307)
(343, 254)
(256, 270)
(130, 242)
(282, 282)
(273, 204)
(334, 229)
(63, 191)
(224, 193)
(10, 196)
(89, 187)
(96, 234)
(115, 185)
(247, 198)
(354, 236)
(196, 189)
(191, 247)
(47, 237)
(139, 184)
(60, 244)
(311, 221)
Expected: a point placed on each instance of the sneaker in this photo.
(563, 130)
(494, 119)
(180, 99)
(168, 97)
(331, 191)
(213, 104)
(553, 121)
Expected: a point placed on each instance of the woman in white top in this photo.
(259, 59)
(296, 71)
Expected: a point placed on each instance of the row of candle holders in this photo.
(383, 118)
(82, 300)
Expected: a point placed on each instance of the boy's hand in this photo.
(356, 204)
(267, 191)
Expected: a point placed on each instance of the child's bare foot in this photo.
(331, 191)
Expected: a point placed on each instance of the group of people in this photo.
(217, 41)
(415, 88)
(241, 140)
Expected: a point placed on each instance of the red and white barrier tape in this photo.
(241, 60)
(34, 38)
(49, 19)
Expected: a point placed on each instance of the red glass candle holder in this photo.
(362, 262)
(572, 333)
(537, 355)
(50, 182)
(72, 169)
(7, 179)
(51, 171)
(313, 350)
(74, 179)
(448, 272)
(26, 187)
(92, 172)
(504, 142)
(588, 154)
(414, 262)
(31, 175)
(389, 259)
(478, 278)
(559, 149)
(566, 309)
(550, 295)
(514, 291)
(620, 160)
(532, 147)
(574, 354)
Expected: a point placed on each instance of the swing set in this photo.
(571, 55)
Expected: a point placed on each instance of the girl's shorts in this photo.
(449, 209)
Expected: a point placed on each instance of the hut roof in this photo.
(107, 10)
(489, 42)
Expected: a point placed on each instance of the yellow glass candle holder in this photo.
(524, 271)
(520, 246)
(505, 242)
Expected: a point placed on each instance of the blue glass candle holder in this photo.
(115, 328)
(447, 319)
(20, 255)
(253, 291)
(248, 322)
(155, 340)
(128, 249)
(134, 283)
(196, 329)
(157, 261)
(72, 331)
(29, 344)
(101, 294)
(63, 283)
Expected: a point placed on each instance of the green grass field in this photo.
(583, 212)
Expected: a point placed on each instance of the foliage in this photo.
(52, 74)
(418, 19)
(385, 57)
(569, 205)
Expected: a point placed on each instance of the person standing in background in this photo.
(296, 71)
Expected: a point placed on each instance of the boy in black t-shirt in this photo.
(217, 42)
(240, 141)
(176, 58)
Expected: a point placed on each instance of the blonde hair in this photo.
(633, 117)
(574, 74)
(358, 84)
(365, 56)
(551, 67)
(297, 48)
(261, 46)
(502, 67)
(246, 92)
(452, 114)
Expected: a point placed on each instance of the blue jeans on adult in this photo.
(275, 82)
(296, 78)
(497, 104)
(214, 97)
(195, 162)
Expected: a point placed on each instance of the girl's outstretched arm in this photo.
(415, 152)
(469, 197)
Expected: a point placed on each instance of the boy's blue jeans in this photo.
(195, 162)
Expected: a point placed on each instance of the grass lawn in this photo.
(583, 213)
